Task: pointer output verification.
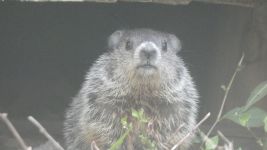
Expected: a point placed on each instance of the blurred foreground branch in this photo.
(45, 133)
(188, 135)
(15, 133)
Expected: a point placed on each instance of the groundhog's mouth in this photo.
(146, 66)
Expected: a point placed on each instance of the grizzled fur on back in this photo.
(141, 69)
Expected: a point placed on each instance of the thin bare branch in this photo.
(229, 145)
(191, 132)
(45, 133)
(223, 137)
(94, 146)
(227, 90)
(176, 132)
(15, 133)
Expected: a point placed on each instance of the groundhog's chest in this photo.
(152, 107)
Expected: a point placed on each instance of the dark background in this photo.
(46, 49)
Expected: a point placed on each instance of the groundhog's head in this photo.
(145, 52)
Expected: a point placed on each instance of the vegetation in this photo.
(247, 116)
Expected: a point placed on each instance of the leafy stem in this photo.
(227, 89)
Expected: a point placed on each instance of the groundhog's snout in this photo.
(148, 54)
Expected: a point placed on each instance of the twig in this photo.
(227, 89)
(223, 137)
(255, 136)
(94, 146)
(45, 133)
(229, 145)
(176, 131)
(193, 130)
(15, 133)
(202, 134)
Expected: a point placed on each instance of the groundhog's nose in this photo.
(148, 54)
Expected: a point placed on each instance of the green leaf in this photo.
(244, 118)
(211, 143)
(144, 120)
(119, 142)
(265, 124)
(223, 87)
(257, 94)
(259, 141)
(141, 112)
(139, 115)
(150, 145)
(256, 117)
(253, 117)
(135, 114)
(239, 148)
(124, 121)
(234, 114)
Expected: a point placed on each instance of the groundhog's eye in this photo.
(128, 45)
(164, 46)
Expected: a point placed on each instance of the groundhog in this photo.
(140, 70)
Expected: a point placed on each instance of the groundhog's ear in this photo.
(114, 39)
(175, 42)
